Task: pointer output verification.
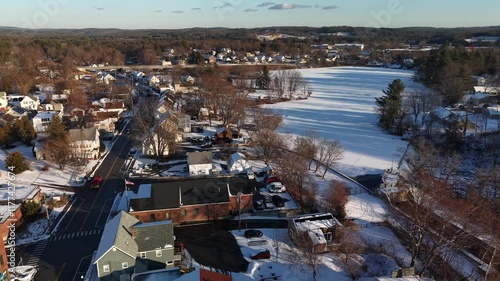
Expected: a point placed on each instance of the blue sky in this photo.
(162, 14)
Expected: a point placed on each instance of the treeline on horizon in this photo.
(61, 50)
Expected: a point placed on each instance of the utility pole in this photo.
(238, 198)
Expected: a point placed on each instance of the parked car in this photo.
(258, 205)
(278, 201)
(271, 179)
(96, 182)
(264, 254)
(276, 187)
(253, 233)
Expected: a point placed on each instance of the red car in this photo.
(96, 182)
(261, 255)
(272, 179)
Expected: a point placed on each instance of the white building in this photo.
(237, 163)
(319, 229)
(42, 119)
(200, 163)
(4, 102)
(85, 143)
(28, 102)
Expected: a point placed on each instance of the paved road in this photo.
(67, 254)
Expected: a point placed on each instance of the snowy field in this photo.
(342, 107)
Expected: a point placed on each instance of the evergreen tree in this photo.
(390, 107)
(23, 130)
(56, 129)
(264, 79)
(6, 136)
(16, 163)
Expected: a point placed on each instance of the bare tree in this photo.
(58, 151)
(420, 102)
(295, 82)
(279, 82)
(336, 198)
(155, 128)
(351, 246)
(329, 151)
(303, 255)
(265, 118)
(268, 143)
(307, 146)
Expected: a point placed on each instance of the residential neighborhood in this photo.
(249, 141)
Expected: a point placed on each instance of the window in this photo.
(183, 212)
(167, 216)
(152, 217)
(196, 211)
(124, 265)
(170, 262)
(105, 268)
(328, 236)
(143, 255)
(158, 253)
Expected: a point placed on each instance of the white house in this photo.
(237, 163)
(28, 102)
(4, 102)
(84, 143)
(52, 106)
(492, 112)
(200, 163)
(492, 91)
(105, 78)
(319, 229)
(153, 80)
(42, 120)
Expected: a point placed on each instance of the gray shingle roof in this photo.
(117, 234)
(82, 134)
(153, 235)
(196, 158)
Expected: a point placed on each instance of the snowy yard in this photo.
(342, 107)
(46, 173)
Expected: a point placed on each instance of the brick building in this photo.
(191, 201)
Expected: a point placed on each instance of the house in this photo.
(105, 78)
(17, 111)
(21, 195)
(224, 134)
(317, 229)
(479, 98)
(115, 106)
(190, 201)
(42, 120)
(52, 106)
(200, 163)
(4, 102)
(84, 143)
(187, 79)
(104, 120)
(28, 102)
(129, 247)
(152, 80)
(492, 112)
(492, 91)
(9, 214)
(6, 118)
(237, 163)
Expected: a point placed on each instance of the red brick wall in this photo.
(246, 202)
(187, 214)
(4, 227)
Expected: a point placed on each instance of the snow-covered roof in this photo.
(314, 224)
(486, 89)
(21, 193)
(6, 210)
(493, 110)
(46, 114)
(479, 96)
(441, 112)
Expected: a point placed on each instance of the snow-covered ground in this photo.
(342, 107)
(52, 176)
(22, 273)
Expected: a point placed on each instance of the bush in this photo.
(16, 163)
(31, 209)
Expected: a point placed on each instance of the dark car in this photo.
(261, 255)
(253, 233)
(258, 205)
(278, 201)
(272, 179)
